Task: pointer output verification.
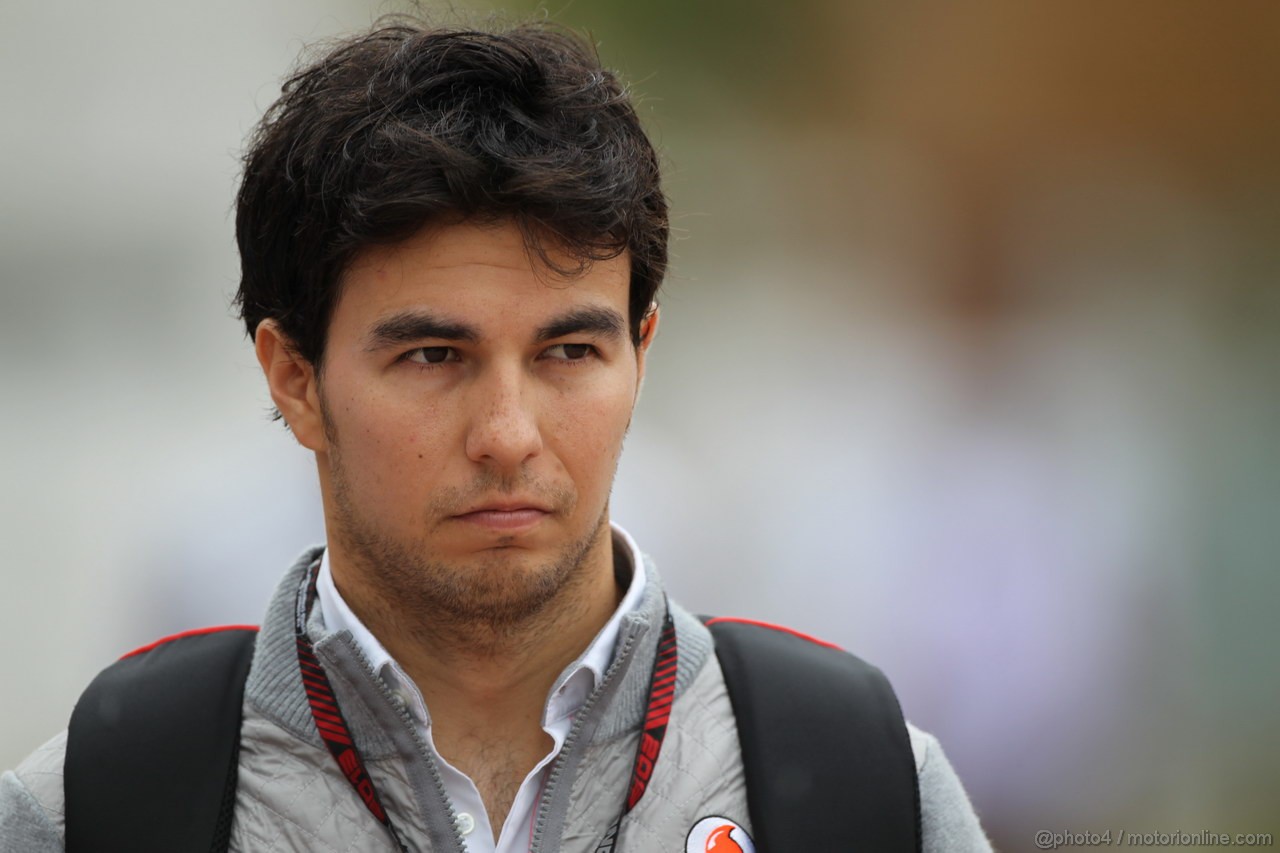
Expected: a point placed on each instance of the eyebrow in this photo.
(408, 326)
(602, 322)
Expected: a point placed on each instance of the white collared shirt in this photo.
(557, 717)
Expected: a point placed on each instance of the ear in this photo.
(648, 331)
(293, 384)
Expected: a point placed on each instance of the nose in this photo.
(504, 431)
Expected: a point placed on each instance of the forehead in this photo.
(485, 272)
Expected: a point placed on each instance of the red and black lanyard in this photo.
(333, 729)
(662, 691)
(328, 716)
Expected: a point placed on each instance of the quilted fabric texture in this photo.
(698, 774)
(291, 797)
(41, 776)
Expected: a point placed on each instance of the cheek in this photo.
(589, 429)
(381, 436)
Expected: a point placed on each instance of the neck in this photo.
(495, 675)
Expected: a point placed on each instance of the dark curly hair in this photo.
(408, 125)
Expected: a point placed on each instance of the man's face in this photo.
(474, 408)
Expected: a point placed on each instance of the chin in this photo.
(504, 585)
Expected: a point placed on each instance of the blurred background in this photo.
(968, 363)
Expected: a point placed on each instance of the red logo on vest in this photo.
(718, 834)
(720, 842)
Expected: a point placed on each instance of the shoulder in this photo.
(948, 821)
(841, 695)
(31, 801)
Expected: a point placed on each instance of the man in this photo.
(451, 243)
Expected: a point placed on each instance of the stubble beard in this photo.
(481, 606)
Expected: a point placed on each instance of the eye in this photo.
(569, 352)
(431, 355)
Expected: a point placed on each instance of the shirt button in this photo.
(466, 823)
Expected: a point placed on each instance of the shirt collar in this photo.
(575, 685)
(338, 616)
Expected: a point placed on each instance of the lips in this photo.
(506, 516)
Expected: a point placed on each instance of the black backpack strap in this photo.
(153, 747)
(825, 749)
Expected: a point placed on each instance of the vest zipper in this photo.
(407, 718)
(570, 740)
